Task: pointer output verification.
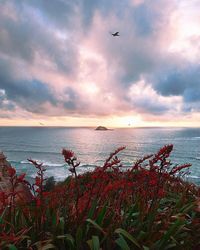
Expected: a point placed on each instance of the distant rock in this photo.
(101, 128)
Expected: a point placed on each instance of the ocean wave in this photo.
(85, 170)
(45, 163)
(32, 152)
(25, 162)
(49, 164)
(193, 176)
(87, 165)
(59, 174)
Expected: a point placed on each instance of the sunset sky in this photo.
(60, 66)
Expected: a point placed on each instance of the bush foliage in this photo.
(145, 206)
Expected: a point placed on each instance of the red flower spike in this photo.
(68, 154)
(11, 171)
(178, 168)
(37, 181)
(3, 196)
(161, 193)
(166, 150)
(21, 177)
(38, 202)
(37, 190)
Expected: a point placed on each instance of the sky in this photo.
(60, 65)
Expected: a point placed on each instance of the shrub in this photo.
(147, 206)
(50, 184)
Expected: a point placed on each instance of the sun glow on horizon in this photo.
(126, 121)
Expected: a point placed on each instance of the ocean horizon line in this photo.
(93, 127)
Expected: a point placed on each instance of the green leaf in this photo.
(128, 236)
(54, 219)
(122, 243)
(79, 237)
(95, 225)
(101, 215)
(172, 230)
(172, 245)
(28, 220)
(66, 237)
(2, 215)
(187, 207)
(48, 246)
(94, 243)
(12, 247)
(150, 218)
(61, 224)
(142, 235)
(146, 248)
(17, 217)
(92, 209)
(133, 212)
(179, 202)
(136, 214)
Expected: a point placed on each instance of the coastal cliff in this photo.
(23, 193)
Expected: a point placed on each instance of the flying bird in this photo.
(115, 34)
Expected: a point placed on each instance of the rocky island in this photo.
(101, 128)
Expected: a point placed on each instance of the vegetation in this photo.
(147, 206)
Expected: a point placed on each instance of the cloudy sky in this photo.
(59, 64)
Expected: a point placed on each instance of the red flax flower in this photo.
(21, 177)
(71, 160)
(11, 171)
(38, 201)
(3, 199)
(179, 168)
(38, 181)
(165, 151)
(68, 154)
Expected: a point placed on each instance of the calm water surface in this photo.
(92, 147)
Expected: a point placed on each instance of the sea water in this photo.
(92, 147)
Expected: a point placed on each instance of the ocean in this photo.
(92, 147)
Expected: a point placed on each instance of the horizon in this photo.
(63, 63)
(93, 127)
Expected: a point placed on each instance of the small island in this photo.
(101, 128)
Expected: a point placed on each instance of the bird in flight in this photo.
(115, 34)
